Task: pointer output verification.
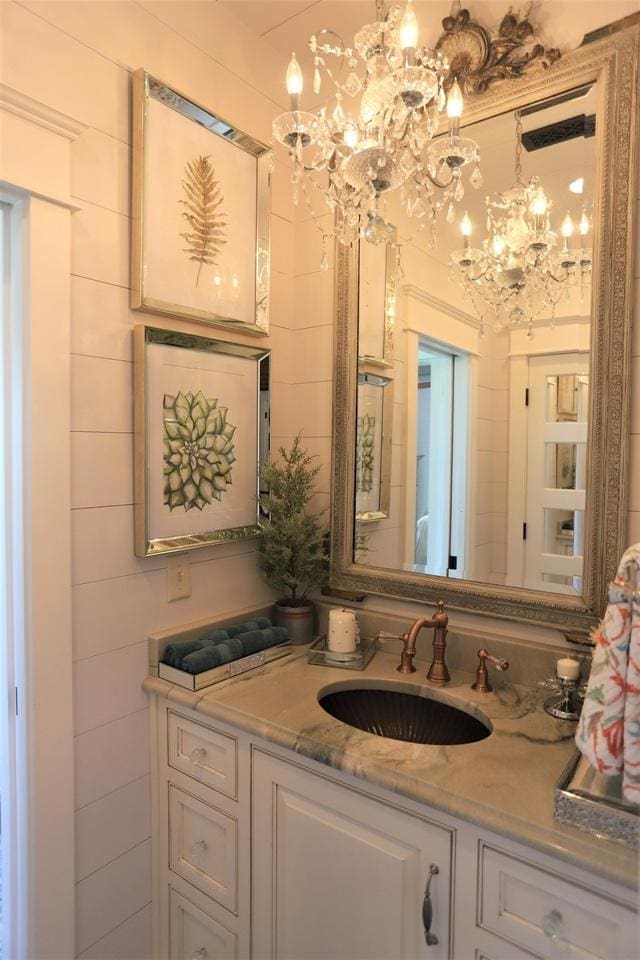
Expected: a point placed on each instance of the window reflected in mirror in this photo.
(487, 439)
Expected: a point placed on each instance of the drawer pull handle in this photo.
(198, 755)
(198, 847)
(551, 924)
(200, 954)
(427, 907)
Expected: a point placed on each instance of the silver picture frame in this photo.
(204, 445)
(146, 275)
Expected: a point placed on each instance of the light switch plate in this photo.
(178, 577)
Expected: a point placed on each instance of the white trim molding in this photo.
(35, 111)
(411, 290)
(36, 180)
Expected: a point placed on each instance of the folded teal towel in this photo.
(216, 636)
(210, 656)
(175, 652)
(258, 624)
(215, 654)
(257, 640)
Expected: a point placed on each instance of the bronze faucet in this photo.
(437, 672)
(482, 684)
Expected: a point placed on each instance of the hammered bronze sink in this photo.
(405, 716)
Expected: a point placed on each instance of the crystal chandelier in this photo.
(522, 268)
(377, 139)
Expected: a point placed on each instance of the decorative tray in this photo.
(233, 668)
(321, 656)
(593, 802)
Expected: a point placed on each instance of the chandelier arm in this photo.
(318, 167)
(441, 184)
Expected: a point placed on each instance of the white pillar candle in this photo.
(343, 631)
(568, 668)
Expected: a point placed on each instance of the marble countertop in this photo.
(504, 783)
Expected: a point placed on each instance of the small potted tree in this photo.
(293, 544)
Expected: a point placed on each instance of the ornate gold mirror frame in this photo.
(608, 58)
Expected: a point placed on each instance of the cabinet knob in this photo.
(427, 907)
(198, 755)
(552, 924)
(200, 954)
(198, 847)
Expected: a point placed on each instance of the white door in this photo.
(556, 474)
(339, 875)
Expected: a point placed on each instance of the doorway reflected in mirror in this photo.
(489, 431)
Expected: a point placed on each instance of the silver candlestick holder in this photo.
(566, 702)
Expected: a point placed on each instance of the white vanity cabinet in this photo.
(339, 874)
(260, 854)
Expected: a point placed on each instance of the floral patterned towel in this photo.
(608, 733)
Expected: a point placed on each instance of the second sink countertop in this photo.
(504, 783)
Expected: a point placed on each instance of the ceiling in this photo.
(287, 24)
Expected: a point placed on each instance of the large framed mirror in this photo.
(507, 449)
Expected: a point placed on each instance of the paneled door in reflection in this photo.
(556, 477)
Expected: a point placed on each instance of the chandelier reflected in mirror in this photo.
(376, 138)
(522, 268)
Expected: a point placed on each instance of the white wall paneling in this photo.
(76, 59)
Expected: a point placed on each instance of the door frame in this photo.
(39, 366)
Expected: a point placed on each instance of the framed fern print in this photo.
(200, 224)
(201, 431)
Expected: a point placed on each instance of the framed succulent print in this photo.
(201, 431)
(200, 213)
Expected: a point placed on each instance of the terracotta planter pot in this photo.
(297, 620)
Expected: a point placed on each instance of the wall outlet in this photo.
(178, 577)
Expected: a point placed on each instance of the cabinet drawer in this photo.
(548, 915)
(202, 753)
(194, 935)
(203, 847)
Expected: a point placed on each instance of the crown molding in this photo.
(35, 111)
(411, 290)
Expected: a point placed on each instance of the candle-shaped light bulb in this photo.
(567, 227)
(350, 135)
(408, 33)
(584, 224)
(295, 81)
(455, 101)
(539, 205)
(497, 245)
(465, 230)
(455, 106)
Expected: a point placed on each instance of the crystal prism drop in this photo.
(442, 99)
(352, 86)
(476, 179)
(459, 191)
(317, 81)
(324, 265)
(451, 213)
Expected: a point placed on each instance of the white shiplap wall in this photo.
(77, 57)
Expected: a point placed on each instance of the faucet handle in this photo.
(407, 655)
(482, 684)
